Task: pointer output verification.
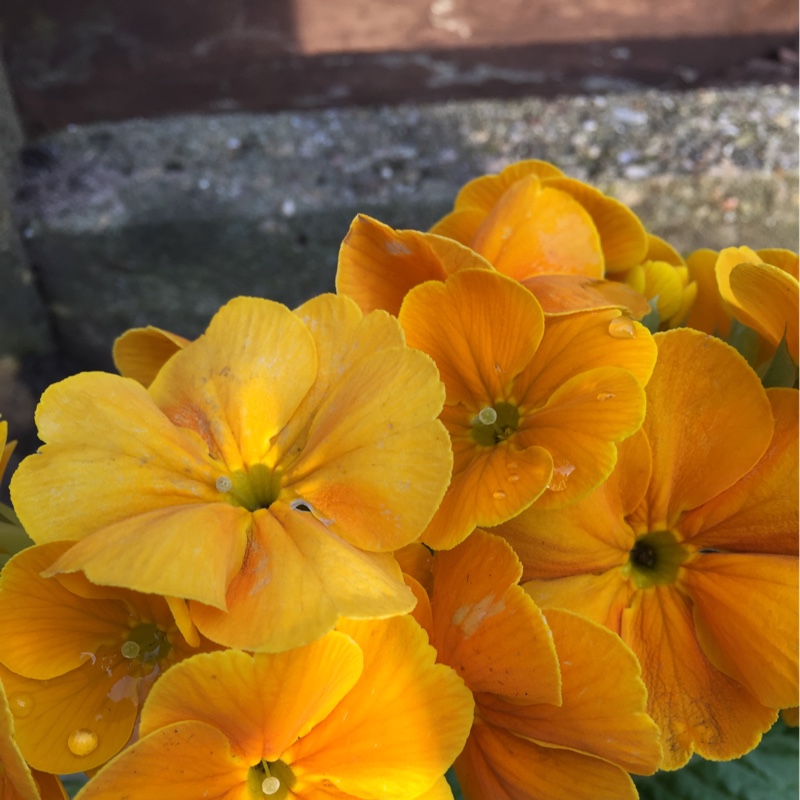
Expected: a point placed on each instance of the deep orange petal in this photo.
(187, 760)
(497, 764)
(487, 628)
(758, 514)
(709, 313)
(141, 352)
(603, 700)
(377, 742)
(700, 394)
(566, 294)
(261, 703)
(698, 708)
(460, 226)
(458, 324)
(745, 616)
(16, 781)
(660, 250)
(378, 265)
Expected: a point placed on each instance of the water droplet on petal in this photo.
(499, 495)
(605, 396)
(21, 704)
(270, 785)
(130, 649)
(513, 478)
(224, 483)
(82, 742)
(622, 328)
(559, 480)
(512, 465)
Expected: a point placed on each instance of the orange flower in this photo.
(533, 410)
(758, 288)
(265, 476)
(77, 660)
(17, 780)
(553, 719)
(689, 550)
(361, 713)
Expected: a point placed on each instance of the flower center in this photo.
(655, 559)
(146, 643)
(254, 488)
(270, 779)
(495, 424)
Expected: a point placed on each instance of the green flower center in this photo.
(146, 643)
(270, 779)
(655, 559)
(254, 488)
(495, 424)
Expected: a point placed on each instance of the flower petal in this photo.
(377, 742)
(188, 760)
(239, 383)
(566, 294)
(261, 703)
(745, 616)
(16, 781)
(700, 396)
(603, 700)
(141, 352)
(709, 313)
(487, 628)
(458, 324)
(499, 765)
(698, 708)
(758, 514)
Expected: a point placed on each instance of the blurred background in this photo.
(157, 158)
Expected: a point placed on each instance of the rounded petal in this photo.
(758, 514)
(378, 265)
(239, 383)
(377, 742)
(261, 703)
(457, 324)
(141, 352)
(698, 708)
(16, 781)
(660, 250)
(709, 313)
(150, 552)
(499, 765)
(111, 455)
(700, 396)
(602, 711)
(785, 260)
(189, 760)
(745, 616)
(487, 628)
(96, 702)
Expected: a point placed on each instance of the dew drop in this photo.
(21, 704)
(605, 396)
(513, 478)
(512, 465)
(82, 742)
(560, 475)
(130, 649)
(499, 495)
(270, 785)
(224, 483)
(487, 416)
(622, 328)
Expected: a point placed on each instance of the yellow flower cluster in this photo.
(487, 508)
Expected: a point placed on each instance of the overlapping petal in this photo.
(139, 353)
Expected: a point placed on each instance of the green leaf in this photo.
(780, 370)
(767, 773)
(745, 340)
(453, 781)
(652, 319)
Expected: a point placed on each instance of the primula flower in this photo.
(757, 288)
(532, 219)
(264, 476)
(378, 266)
(77, 660)
(533, 409)
(17, 780)
(559, 702)
(689, 550)
(364, 712)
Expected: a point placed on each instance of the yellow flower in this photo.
(265, 476)
(533, 409)
(364, 712)
(689, 550)
(77, 660)
(559, 702)
(17, 780)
